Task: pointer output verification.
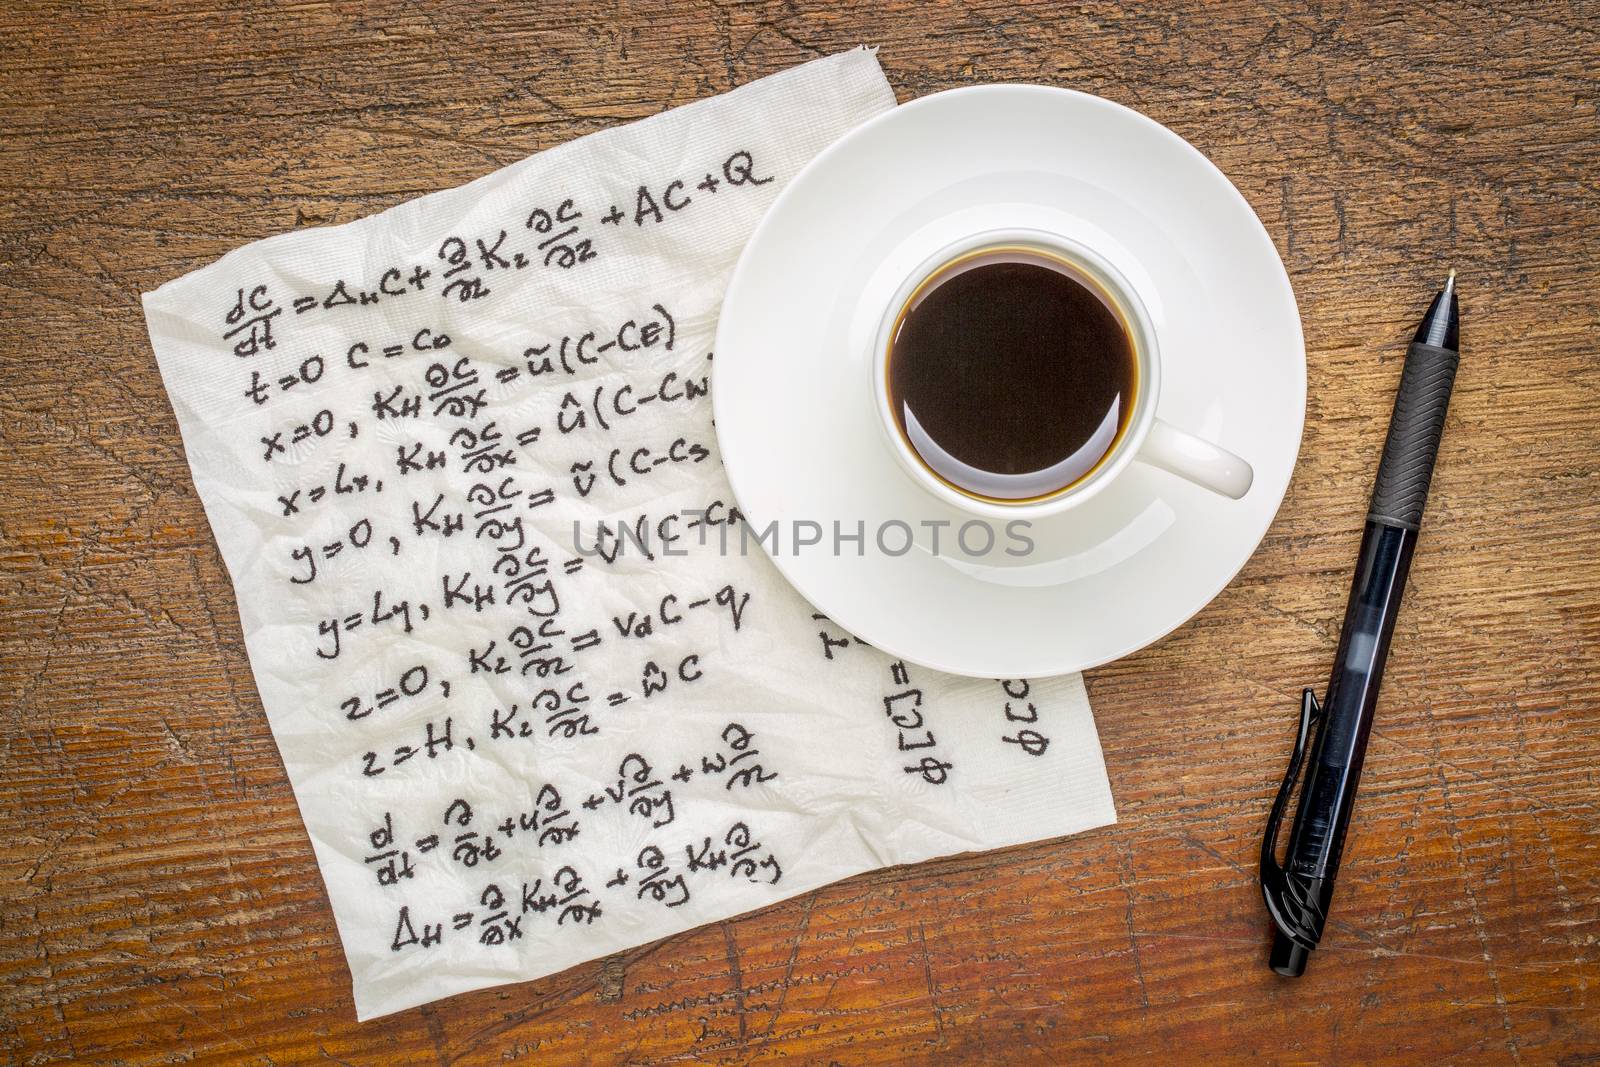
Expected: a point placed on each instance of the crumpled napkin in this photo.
(459, 460)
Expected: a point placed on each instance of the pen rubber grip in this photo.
(1414, 432)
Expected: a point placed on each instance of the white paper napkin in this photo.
(512, 754)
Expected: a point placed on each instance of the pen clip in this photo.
(1274, 879)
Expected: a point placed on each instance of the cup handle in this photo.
(1197, 460)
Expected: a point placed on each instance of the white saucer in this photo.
(792, 390)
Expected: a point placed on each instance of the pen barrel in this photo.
(1316, 843)
(1420, 405)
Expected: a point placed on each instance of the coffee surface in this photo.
(1010, 377)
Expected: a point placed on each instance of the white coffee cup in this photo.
(1144, 437)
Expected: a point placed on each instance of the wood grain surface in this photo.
(158, 897)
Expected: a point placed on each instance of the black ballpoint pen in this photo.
(1299, 890)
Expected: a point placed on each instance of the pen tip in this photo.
(1439, 324)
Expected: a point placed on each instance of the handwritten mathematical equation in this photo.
(422, 480)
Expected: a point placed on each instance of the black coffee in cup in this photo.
(1011, 374)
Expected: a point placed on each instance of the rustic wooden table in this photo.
(158, 898)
